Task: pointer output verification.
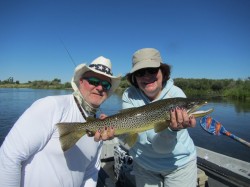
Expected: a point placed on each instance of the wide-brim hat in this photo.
(146, 58)
(100, 65)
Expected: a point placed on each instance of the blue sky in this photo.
(198, 38)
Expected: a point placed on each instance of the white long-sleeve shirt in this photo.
(31, 154)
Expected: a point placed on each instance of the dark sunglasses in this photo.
(96, 82)
(142, 72)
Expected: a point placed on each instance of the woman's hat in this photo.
(146, 58)
(100, 65)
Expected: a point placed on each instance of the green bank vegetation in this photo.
(39, 84)
(237, 89)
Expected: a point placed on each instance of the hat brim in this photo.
(83, 68)
(145, 64)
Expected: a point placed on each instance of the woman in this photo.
(169, 157)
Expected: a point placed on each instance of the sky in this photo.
(45, 39)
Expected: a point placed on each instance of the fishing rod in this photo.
(72, 60)
(216, 128)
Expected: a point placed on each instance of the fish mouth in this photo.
(193, 111)
(202, 113)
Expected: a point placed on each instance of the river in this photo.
(233, 115)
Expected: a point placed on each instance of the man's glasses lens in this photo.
(142, 72)
(96, 82)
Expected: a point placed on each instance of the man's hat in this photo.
(100, 65)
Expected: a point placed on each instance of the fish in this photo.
(131, 121)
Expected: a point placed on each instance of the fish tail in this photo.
(69, 135)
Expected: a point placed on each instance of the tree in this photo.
(56, 81)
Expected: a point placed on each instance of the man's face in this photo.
(95, 95)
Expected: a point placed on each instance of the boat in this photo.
(214, 169)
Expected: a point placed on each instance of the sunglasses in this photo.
(96, 82)
(142, 72)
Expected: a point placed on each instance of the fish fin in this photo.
(130, 139)
(162, 125)
(68, 135)
(90, 133)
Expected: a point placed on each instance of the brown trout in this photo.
(131, 121)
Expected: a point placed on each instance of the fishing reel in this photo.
(123, 163)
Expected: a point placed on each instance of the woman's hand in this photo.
(106, 133)
(179, 119)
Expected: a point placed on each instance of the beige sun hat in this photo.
(100, 65)
(146, 58)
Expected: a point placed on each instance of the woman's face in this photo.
(149, 81)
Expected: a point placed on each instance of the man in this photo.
(31, 154)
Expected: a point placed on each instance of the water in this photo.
(13, 102)
(233, 115)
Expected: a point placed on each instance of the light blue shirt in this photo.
(164, 151)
